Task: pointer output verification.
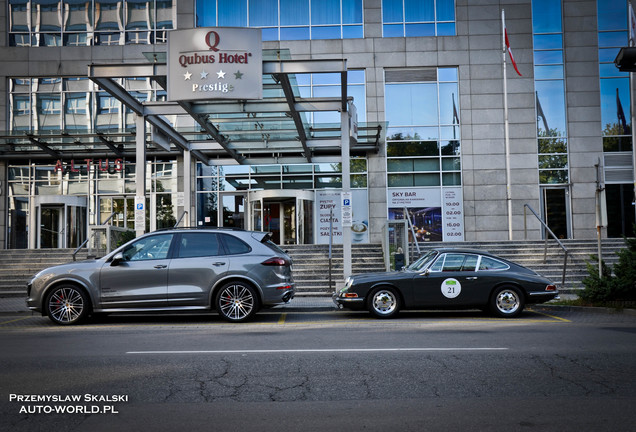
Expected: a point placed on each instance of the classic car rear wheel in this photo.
(507, 302)
(384, 303)
(66, 305)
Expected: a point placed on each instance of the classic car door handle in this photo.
(160, 266)
(471, 278)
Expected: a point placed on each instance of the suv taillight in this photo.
(276, 262)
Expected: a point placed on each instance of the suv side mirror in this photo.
(118, 258)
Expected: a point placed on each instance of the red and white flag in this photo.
(507, 42)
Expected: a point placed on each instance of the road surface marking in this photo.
(550, 316)
(335, 350)
(15, 320)
(281, 320)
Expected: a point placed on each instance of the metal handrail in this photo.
(93, 235)
(545, 250)
(185, 212)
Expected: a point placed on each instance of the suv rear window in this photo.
(235, 246)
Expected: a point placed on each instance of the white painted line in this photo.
(344, 350)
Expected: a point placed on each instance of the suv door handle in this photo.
(160, 266)
(218, 264)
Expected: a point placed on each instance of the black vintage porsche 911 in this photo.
(451, 279)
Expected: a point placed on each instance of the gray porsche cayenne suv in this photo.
(234, 272)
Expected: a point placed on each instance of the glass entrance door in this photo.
(279, 218)
(556, 211)
(51, 228)
(288, 215)
(58, 221)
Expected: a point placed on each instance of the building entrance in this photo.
(288, 215)
(60, 221)
(556, 210)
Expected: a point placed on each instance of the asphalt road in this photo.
(316, 371)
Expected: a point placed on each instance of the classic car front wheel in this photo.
(507, 302)
(384, 303)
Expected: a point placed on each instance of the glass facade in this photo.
(616, 118)
(424, 174)
(90, 22)
(227, 184)
(286, 19)
(408, 18)
(615, 92)
(38, 104)
(110, 184)
(423, 136)
(549, 84)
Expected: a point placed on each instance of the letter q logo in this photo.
(212, 40)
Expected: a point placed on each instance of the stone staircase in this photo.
(18, 266)
(311, 262)
(311, 265)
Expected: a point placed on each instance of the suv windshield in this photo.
(423, 261)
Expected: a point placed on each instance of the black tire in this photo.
(67, 305)
(507, 302)
(237, 302)
(384, 302)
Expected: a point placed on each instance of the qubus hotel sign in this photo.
(215, 63)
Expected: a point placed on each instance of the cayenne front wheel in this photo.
(237, 302)
(384, 303)
(507, 302)
(66, 305)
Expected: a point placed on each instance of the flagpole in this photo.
(506, 131)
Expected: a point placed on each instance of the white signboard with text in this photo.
(437, 214)
(327, 201)
(215, 63)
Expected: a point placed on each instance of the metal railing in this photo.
(185, 212)
(548, 230)
(91, 236)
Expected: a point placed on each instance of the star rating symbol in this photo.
(220, 74)
(187, 75)
(238, 75)
(204, 75)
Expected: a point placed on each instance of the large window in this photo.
(418, 18)
(615, 94)
(616, 106)
(549, 82)
(286, 19)
(423, 140)
(328, 85)
(72, 104)
(90, 22)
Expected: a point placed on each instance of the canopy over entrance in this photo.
(275, 129)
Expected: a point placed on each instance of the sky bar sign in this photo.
(215, 63)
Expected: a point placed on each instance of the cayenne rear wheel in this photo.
(66, 305)
(507, 302)
(237, 302)
(384, 303)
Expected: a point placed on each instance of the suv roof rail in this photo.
(200, 228)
